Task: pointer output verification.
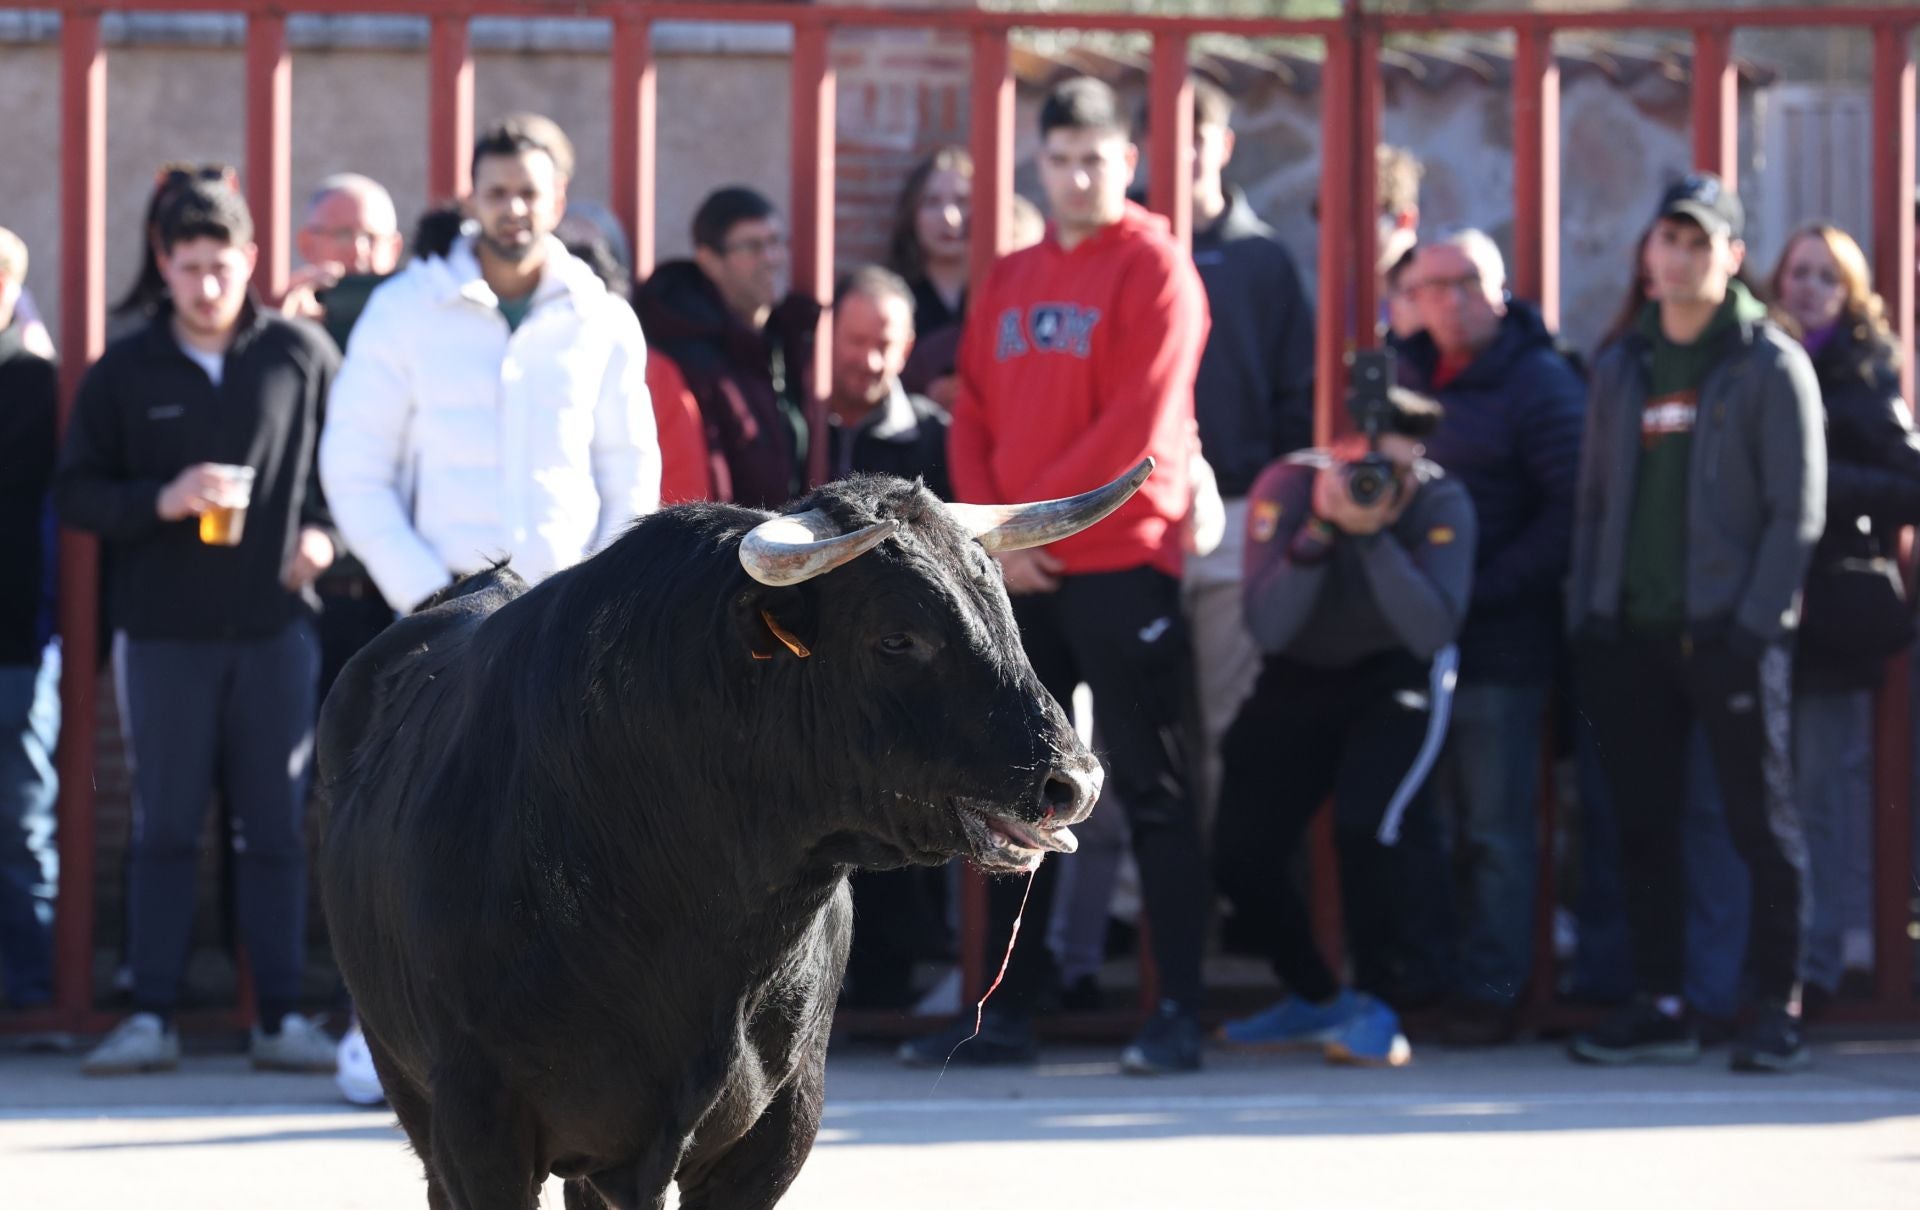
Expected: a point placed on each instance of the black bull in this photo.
(585, 868)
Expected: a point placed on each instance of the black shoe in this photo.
(1002, 1042)
(1772, 1043)
(1639, 1033)
(1169, 1042)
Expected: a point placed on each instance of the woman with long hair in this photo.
(929, 247)
(1856, 615)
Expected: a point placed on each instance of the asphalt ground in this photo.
(1518, 1127)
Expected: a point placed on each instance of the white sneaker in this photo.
(301, 1045)
(356, 1079)
(139, 1043)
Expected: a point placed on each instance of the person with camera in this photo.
(1702, 493)
(1359, 567)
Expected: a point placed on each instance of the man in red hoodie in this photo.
(1078, 359)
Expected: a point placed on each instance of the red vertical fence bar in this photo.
(1536, 172)
(1893, 241)
(1170, 136)
(635, 115)
(813, 170)
(1337, 155)
(990, 139)
(1716, 105)
(269, 143)
(449, 110)
(1369, 98)
(83, 309)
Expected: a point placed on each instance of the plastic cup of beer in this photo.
(226, 520)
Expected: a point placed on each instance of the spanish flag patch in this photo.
(1440, 535)
(1266, 519)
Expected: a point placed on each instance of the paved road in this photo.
(1518, 1128)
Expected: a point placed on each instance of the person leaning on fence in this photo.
(1702, 492)
(1515, 408)
(1857, 616)
(493, 400)
(1356, 607)
(190, 453)
(29, 652)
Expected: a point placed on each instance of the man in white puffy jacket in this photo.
(493, 401)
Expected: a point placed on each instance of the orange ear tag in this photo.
(787, 638)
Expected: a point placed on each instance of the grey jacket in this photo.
(1756, 485)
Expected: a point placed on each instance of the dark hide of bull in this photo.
(586, 863)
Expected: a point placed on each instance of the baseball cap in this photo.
(1704, 198)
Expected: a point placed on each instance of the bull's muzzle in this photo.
(796, 547)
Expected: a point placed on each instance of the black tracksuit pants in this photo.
(1642, 695)
(1355, 733)
(1122, 634)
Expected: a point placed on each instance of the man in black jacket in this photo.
(1253, 399)
(213, 631)
(1515, 407)
(29, 659)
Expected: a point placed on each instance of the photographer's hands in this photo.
(1333, 504)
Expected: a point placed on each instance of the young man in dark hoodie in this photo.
(1515, 407)
(214, 640)
(1702, 494)
(743, 349)
(1078, 359)
(29, 655)
(1254, 401)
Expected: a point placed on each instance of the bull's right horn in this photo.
(793, 549)
(1020, 526)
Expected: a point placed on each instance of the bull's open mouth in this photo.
(1004, 843)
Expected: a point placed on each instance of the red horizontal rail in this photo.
(808, 14)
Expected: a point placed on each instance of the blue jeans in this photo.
(1718, 893)
(29, 862)
(1491, 786)
(1833, 769)
(1603, 961)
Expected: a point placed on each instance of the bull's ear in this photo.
(776, 623)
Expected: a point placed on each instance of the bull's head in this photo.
(957, 748)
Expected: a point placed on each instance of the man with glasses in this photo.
(743, 349)
(1514, 411)
(350, 240)
(493, 400)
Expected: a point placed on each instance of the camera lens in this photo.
(1368, 481)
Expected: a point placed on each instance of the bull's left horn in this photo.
(1019, 526)
(793, 549)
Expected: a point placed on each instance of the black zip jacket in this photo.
(29, 406)
(145, 413)
(1253, 395)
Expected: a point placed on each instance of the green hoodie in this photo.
(1654, 591)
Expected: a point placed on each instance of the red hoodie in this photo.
(1074, 365)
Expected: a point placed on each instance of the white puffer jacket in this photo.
(451, 442)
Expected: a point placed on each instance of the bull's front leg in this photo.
(755, 1172)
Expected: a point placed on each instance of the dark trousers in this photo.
(1122, 634)
(1643, 696)
(1355, 733)
(236, 715)
(352, 614)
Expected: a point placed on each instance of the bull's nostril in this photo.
(1060, 794)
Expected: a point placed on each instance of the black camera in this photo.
(1371, 373)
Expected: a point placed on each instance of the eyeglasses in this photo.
(1434, 287)
(754, 247)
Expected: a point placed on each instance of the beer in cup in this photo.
(226, 520)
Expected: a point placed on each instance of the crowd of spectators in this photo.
(1676, 569)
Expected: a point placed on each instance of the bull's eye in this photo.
(898, 645)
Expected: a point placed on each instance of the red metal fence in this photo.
(1350, 126)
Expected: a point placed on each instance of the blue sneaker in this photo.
(1291, 1024)
(1370, 1038)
